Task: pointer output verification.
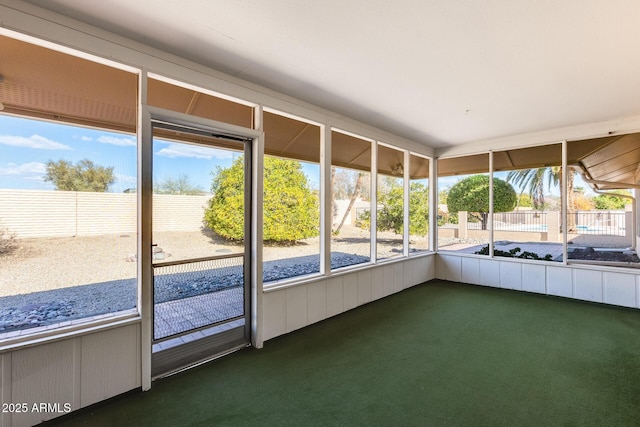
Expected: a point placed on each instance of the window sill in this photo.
(305, 280)
(35, 336)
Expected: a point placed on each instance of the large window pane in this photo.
(390, 200)
(351, 200)
(67, 189)
(529, 225)
(419, 204)
(463, 204)
(601, 201)
(291, 205)
(67, 224)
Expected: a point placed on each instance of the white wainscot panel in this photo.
(387, 272)
(297, 313)
(470, 272)
(489, 272)
(274, 314)
(364, 286)
(440, 267)
(350, 288)
(452, 266)
(377, 284)
(511, 275)
(420, 268)
(560, 281)
(110, 363)
(431, 268)
(317, 301)
(5, 386)
(588, 285)
(335, 296)
(44, 374)
(407, 269)
(533, 278)
(398, 276)
(620, 289)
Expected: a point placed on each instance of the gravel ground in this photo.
(49, 280)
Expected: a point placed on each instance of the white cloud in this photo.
(32, 170)
(34, 141)
(86, 138)
(183, 150)
(126, 179)
(445, 183)
(121, 142)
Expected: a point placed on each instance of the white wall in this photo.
(616, 286)
(295, 307)
(79, 371)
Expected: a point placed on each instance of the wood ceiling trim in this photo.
(625, 174)
(616, 151)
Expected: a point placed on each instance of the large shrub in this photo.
(291, 209)
(472, 195)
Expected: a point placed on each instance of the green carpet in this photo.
(436, 354)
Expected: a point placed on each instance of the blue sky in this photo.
(26, 145)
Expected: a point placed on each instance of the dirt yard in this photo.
(53, 263)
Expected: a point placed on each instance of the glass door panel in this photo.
(200, 238)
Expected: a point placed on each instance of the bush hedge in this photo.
(291, 208)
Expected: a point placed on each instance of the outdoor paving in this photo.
(182, 315)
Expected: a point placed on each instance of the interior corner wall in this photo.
(295, 307)
(615, 286)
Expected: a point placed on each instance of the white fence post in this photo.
(462, 225)
(553, 226)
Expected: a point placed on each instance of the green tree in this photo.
(442, 196)
(612, 202)
(81, 176)
(180, 185)
(472, 195)
(524, 201)
(290, 207)
(391, 215)
(418, 209)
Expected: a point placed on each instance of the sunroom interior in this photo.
(378, 213)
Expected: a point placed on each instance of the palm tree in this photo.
(533, 180)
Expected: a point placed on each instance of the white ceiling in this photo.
(442, 72)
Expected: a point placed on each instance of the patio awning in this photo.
(43, 83)
(609, 162)
(46, 84)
